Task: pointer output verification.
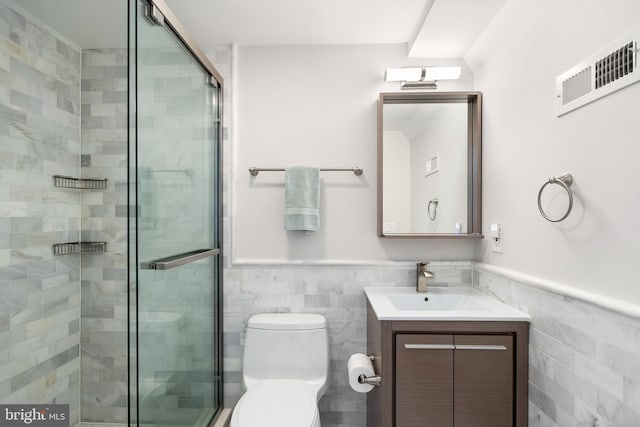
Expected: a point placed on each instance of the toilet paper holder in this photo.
(375, 380)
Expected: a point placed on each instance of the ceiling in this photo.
(451, 26)
(299, 22)
(430, 28)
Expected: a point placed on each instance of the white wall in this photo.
(396, 156)
(515, 65)
(316, 105)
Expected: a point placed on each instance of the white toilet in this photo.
(285, 372)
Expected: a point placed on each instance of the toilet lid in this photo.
(277, 403)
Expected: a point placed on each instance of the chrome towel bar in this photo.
(356, 170)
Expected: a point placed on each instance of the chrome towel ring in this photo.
(433, 202)
(565, 180)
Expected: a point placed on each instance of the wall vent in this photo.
(608, 70)
(577, 85)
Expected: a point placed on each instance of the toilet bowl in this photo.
(279, 403)
(285, 371)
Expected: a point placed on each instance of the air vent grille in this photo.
(606, 71)
(615, 66)
(576, 86)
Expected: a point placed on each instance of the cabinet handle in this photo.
(480, 347)
(454, 347)
(429, 346)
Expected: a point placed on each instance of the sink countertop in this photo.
(439, 303)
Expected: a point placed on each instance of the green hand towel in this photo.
(302, 198)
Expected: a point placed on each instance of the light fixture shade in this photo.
(419, 74)
(442, 73)
(412, 74)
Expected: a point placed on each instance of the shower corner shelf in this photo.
(74, 248)
(79, 183)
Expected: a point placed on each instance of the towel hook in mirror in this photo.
(434, 203)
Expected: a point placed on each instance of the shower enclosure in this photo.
(110, 214)
(175, 258)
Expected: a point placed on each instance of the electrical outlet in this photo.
(497, 235)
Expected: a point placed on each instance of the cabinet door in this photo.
(424, 380)
(483, 381)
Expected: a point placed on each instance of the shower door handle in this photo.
(174, 261)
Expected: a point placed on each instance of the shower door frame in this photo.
(174, 25)
(160, 13)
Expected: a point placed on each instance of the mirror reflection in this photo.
(429, 164)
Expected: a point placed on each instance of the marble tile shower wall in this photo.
(39, 137)
(104, 219)
(584, 361)
(333, 291)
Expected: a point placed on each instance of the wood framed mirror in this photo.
(430, 164)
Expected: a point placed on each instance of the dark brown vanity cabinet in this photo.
(448, 374)
(454, 380)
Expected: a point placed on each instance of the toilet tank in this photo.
(286, 346)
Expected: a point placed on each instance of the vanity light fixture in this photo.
(421, 77)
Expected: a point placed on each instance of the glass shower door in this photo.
(177, 232)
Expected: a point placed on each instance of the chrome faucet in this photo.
(422, 275)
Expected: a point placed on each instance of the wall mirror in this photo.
(429, 164)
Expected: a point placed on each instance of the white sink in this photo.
(438, 303)
(435, 300)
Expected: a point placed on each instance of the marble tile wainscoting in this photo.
(584, 360)
(335, 291)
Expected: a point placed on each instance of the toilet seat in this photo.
(277, 403)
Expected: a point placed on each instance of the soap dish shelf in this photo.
(74, 248)
(79, 183)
